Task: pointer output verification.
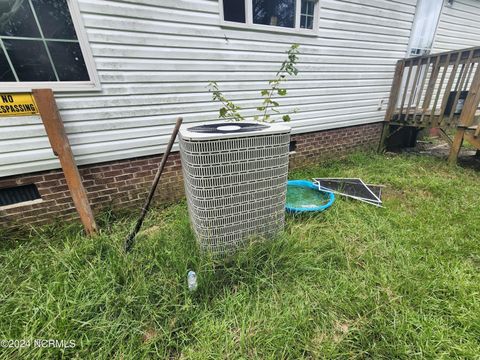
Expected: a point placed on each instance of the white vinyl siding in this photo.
(154, 62)
(459, 26)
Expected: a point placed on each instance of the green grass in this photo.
(353, 282)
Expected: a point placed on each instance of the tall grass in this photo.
(355, 281)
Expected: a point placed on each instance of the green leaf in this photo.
(264, 92)
(282, 92)
(261, 108)
(223, 112)
(286, 118)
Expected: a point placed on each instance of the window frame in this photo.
(249, 24)
(92, 85)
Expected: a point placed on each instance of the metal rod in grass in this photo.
(130, 240)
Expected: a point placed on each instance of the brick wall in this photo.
(117, 185)
(124, 184)
(330, 144)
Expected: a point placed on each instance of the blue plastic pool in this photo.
(304, 196)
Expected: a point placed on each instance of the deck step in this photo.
(476, 130)
(475, 141)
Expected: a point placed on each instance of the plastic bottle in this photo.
(192, 280)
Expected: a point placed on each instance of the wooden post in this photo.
(420, 90)
(392, 102)
(61, 147)
(466, 117)
(456, 146)
(414, 87)
(448, 88)
(432, 120)
(458, 87)
(431, 87)
(404, 96)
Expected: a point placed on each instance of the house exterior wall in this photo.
(154, 59)
(459, 26)
(124, 184)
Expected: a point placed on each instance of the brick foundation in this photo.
(124, 184)
(330, 144)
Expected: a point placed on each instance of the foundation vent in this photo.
(18, 194)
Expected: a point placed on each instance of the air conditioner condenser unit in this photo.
(235, 178)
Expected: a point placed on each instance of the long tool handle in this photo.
(130, 240)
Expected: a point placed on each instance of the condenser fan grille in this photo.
(235, 187)
(227, 128)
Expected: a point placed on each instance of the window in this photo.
(274, 12)
(40, 46)
(307, 14)
(284, 15)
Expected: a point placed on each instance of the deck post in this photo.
(466, 117)
(456, 146)
(61, 147)
(392, 102)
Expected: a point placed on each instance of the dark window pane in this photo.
(68, 60)
(310, 22)
(311, 7)
(274, 12)
(30, 60)
(306, 14)
(306, 22)
(6, 74)
(234, 10)
(55, 19)
(16, 19)
(307, 7)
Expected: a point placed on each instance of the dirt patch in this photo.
(391, 194)
(439, 148)
(149, 335)
(150, 231)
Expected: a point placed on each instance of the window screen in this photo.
(38, 42)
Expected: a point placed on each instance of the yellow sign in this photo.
(17, 105)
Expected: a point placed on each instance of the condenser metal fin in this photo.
(235, 178)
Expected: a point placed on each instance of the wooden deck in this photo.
(475, 129)
(429, 119)
(426, 90)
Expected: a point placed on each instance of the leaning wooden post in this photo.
(466, 117)
(52, 121)
(392, 102)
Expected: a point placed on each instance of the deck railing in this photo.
(436, 90)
